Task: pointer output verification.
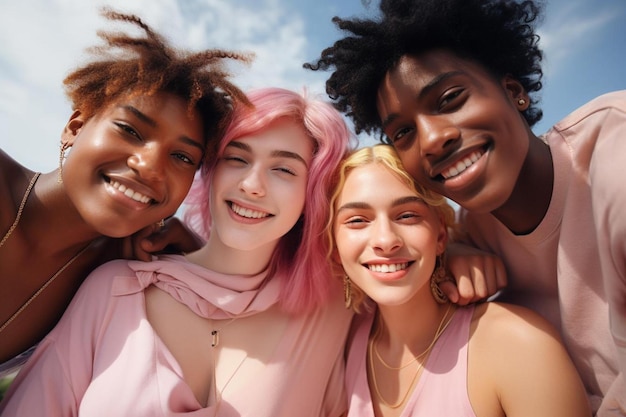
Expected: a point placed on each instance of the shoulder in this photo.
(512, 324)
(100, 282)
(14, 179)
(613, 101)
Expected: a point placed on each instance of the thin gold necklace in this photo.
(53, 277)
(381, 326)
(20, 208)
(373, 350)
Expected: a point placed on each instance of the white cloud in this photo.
(42, 40)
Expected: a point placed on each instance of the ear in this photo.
(515, 92)
(72, 128)
(442, 237)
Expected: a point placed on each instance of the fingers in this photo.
(477, 276)
(173, 237)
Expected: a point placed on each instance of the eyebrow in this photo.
(396, 202)
(274, 154)
(424, 91)
(144, 118)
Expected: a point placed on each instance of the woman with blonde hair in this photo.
(411, 352)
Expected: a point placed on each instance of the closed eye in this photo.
(235, 159)
(286, 171)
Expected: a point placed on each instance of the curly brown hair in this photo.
(144, 65)
(497, 34)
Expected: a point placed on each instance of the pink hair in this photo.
(300, 259)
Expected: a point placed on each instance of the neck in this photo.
(410, 329)
(218, 257)
(530, 199)
(50, 221)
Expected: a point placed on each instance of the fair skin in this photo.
(257, 196)
(148, 144)
(516, 363)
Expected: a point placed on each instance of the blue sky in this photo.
(42, 40)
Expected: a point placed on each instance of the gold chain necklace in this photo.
(20, 208)
(53, 277)
(373, 350)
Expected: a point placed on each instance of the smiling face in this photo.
(258, 189)
(386, 236)
(132, 164)
(458, 131)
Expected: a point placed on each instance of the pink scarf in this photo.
(207, 293)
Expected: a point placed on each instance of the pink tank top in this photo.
(442, 387)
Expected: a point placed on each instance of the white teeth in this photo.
(130, 193)
(251, 214)
(388, 267)
(462, 165)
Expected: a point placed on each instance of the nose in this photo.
(149, 162)
(384, 238)
(253, 183)
(437, 135)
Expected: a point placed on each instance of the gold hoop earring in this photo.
(439, 275)
(521, 102)
(347, 291)
(64, 146)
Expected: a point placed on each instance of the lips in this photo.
(460, 166)
(248, 213)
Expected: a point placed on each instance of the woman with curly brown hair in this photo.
(452, 85)
(144, 117)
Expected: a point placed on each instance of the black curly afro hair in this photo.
(498, 34)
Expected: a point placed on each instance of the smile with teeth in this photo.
(244, 212)
(462, 165)
(388, 267)
(130, 193)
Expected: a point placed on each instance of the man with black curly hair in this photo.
(452, 84)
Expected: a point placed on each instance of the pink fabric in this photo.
(574, 264)
(104, 358)
(442, 387)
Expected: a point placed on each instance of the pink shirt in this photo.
(572, 267)
(442, 387)
(104, 358)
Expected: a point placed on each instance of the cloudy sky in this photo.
(42, 40)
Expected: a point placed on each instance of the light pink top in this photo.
(442, 387)
(573, 265)
(104, 358)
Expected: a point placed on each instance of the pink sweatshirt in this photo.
(441, 389)
(104, 358)
(572, 267)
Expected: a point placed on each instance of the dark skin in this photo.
(438, 109)
(154, 150)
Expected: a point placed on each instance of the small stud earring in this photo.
(521, 101)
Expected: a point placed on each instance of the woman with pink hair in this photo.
(250, 324)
